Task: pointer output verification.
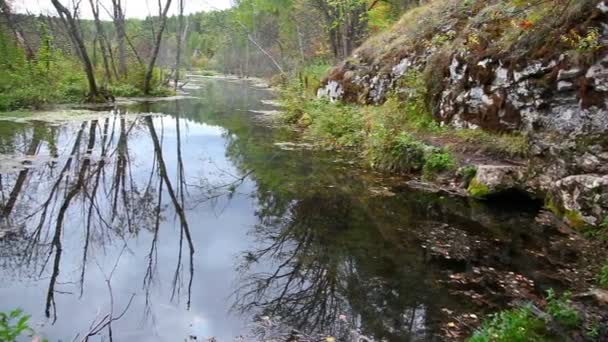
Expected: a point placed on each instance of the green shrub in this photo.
(437, 162)
(335, 125)
(125, 90)
(395, 153)
(517, 325)
(561, 309)
(13, 325)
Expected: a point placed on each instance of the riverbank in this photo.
(428, 105)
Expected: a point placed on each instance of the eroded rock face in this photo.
(560, 102)
(584, 197)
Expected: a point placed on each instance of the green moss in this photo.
(477, 189)
(552, 207)
(575, 219)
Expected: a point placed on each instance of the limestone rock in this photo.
(583, 197)
(493, 179)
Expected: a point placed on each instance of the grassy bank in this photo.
(53, 77)
(400, 136)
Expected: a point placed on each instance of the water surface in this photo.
(190, 217)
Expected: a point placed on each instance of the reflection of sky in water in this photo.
(218, 239)
(332, 232)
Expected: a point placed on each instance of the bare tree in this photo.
(121, 35)
(70, 21)
(159, 37)
(180, 37)
(103, 41)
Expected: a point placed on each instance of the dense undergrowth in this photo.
(392, 137)
(51, 76)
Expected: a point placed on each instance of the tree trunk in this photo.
(180, 37)
(159, 38)
(121, 36)
(72, 27)
(6, 11)
(102, 39)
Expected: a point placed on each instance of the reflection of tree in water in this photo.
(92, 185)
(333, 273)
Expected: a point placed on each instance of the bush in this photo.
(395, 153)
(125, 90)
(339, 126)
(13, 325)
(517, 325)
(561, 309)
(437, 162)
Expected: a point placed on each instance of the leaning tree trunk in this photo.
(72, 27)
(19, 38)
(159, 38)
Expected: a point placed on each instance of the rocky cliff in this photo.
(505, 66)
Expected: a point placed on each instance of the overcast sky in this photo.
(134, 8)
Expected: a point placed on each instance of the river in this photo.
(198, 217)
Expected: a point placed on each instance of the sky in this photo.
(134, 8)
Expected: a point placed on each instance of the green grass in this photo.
(517, 325)
(602, 278)
(561, 309)
(398, 153)
(437, 162)
(510, 145)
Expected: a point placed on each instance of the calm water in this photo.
(186, 218)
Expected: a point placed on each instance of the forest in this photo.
(304, 170)
(60, 57)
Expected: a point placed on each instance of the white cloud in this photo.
(134, 8)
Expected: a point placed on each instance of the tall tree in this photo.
(158, 40)
(180, 38)
(118, 16)
(5, 7)
(103, 42)
(70, 22)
